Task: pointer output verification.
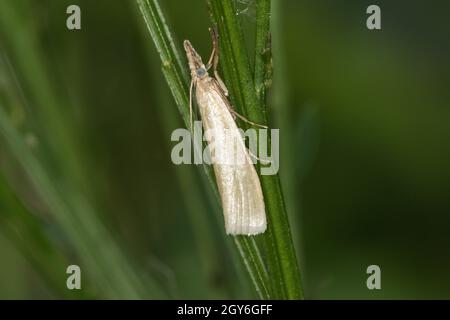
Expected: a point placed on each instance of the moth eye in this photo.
(201, 72)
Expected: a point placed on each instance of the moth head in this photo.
(198, 69)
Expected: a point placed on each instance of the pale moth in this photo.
(237, 180)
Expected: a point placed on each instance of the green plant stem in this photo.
(262, 49)
(175, 72)
(282, 263)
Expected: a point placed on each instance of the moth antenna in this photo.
(190, 103)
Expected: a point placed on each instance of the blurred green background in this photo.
(86, 176)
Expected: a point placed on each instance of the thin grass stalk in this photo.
(279, 248)
(175, 72)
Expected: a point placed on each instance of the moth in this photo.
(237, 180)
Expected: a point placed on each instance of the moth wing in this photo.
(237, 180)
(242, 199)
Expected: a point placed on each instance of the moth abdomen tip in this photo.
(248, 231)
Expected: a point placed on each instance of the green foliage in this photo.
(85, 170)
(110, 274)
(272, 253)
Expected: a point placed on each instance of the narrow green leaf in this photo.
(27, 233)
(262, 50)
(279, 248)
(101, 257)
(175, 72)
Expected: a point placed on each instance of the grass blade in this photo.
(52, 173)
(279, 249)
(175, 72)
(26, 231)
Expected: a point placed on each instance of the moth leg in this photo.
(253, 156)
(214, 60)
(235, 113)
(221, 83)
(264, 161)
